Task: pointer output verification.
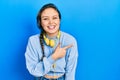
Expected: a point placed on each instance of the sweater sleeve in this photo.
(71, 62)
(35, 66)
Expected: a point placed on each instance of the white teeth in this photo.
(51, 27)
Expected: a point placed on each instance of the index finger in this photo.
(69, 46)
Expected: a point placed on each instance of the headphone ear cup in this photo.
(49, 42)
(52, 43)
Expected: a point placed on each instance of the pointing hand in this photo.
(60, 52)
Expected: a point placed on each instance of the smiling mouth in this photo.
(51, 27)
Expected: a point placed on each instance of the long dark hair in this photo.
(50, 5)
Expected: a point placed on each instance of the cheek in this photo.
(58, 22)
(44, 23)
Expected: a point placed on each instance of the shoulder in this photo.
(67, 38)
(34, 40)
(34, 37)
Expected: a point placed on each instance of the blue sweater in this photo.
(65, 65)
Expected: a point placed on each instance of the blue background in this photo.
(94, 23)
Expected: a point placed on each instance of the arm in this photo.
(71, 63)
(34, 65)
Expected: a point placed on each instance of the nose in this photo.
(50, 21)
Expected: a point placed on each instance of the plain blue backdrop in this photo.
(94, 23)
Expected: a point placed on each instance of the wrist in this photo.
(54, 56)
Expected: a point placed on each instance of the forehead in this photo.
(49, 11)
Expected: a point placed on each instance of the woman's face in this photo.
(50, 21)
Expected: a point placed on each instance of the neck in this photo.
(52, 35)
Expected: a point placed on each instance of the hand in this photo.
(60, 52)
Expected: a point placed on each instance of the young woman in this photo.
(52, 54)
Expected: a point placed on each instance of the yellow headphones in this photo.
(51, 42)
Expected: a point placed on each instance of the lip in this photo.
(51, 27)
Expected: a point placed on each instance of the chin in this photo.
(52, 32)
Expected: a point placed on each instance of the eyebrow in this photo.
(48, 16)
(44, 16)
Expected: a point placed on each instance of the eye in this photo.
(55, 17)
(45, 18)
